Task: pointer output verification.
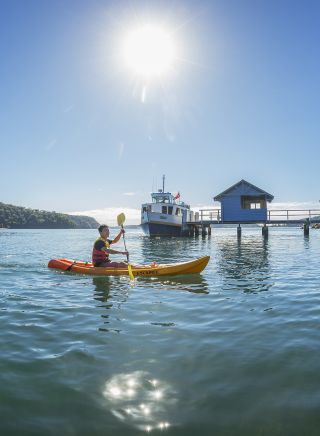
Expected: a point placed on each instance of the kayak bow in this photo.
(169, 269)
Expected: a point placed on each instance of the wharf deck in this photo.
(207, 217)
(271, 222)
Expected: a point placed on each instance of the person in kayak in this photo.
(101, 249)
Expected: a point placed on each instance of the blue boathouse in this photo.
(244, 203)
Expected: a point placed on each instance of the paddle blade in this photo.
(130, 272)
(121, 219)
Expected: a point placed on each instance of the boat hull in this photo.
(180, 268)
(154, 229)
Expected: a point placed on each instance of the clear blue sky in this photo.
(243, 102)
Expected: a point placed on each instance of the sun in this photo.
(149, 51)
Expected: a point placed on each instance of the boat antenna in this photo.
(163, 179)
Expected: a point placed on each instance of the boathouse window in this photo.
(251, 202)
(164, 209)
(178, 211)
(170, 210)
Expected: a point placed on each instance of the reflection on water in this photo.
(119, 295)
(167, 250)
(140, 400)
(170, 250)
(102, 288)
(243, 264)
(103, 285)
(112, 294)
(191, 283)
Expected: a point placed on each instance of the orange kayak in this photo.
(165, 269)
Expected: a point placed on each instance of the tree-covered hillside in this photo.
(17, 217)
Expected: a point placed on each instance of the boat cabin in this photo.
(164, 203)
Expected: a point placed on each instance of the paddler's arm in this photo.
(111, 251)
(117, 238)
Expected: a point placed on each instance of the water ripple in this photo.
(233, 350)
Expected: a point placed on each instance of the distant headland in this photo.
(17, 217)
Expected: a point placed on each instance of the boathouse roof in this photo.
(257, 191)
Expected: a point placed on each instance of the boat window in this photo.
(170, 208)
(164, 209)
(178, 211)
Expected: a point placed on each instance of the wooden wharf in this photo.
(205, 218)
(245, 203)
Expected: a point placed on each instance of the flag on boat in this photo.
(176, 196)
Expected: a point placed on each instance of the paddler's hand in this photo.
(122, 232)
(126, 253)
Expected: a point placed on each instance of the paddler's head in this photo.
(104, 231)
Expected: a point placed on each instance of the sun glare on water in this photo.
(149, 51)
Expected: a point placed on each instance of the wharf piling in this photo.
(265, 231)
(197, 229)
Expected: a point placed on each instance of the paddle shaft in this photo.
(121, 219)
(125, 246)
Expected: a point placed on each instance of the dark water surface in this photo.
(233, 351)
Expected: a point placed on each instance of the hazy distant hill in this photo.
(84, 222)
(17, 217)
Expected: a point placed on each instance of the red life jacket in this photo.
(100, 255)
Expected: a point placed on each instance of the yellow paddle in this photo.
(121, 219)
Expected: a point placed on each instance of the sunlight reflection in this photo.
(130, 392)
(154, 382)
(140, 400)
(131, 383)
(163, 425)
(157, 395)
(115, 392)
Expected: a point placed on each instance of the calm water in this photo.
(234, 351)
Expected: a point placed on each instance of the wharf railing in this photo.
(292, 214)
(281, 216)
